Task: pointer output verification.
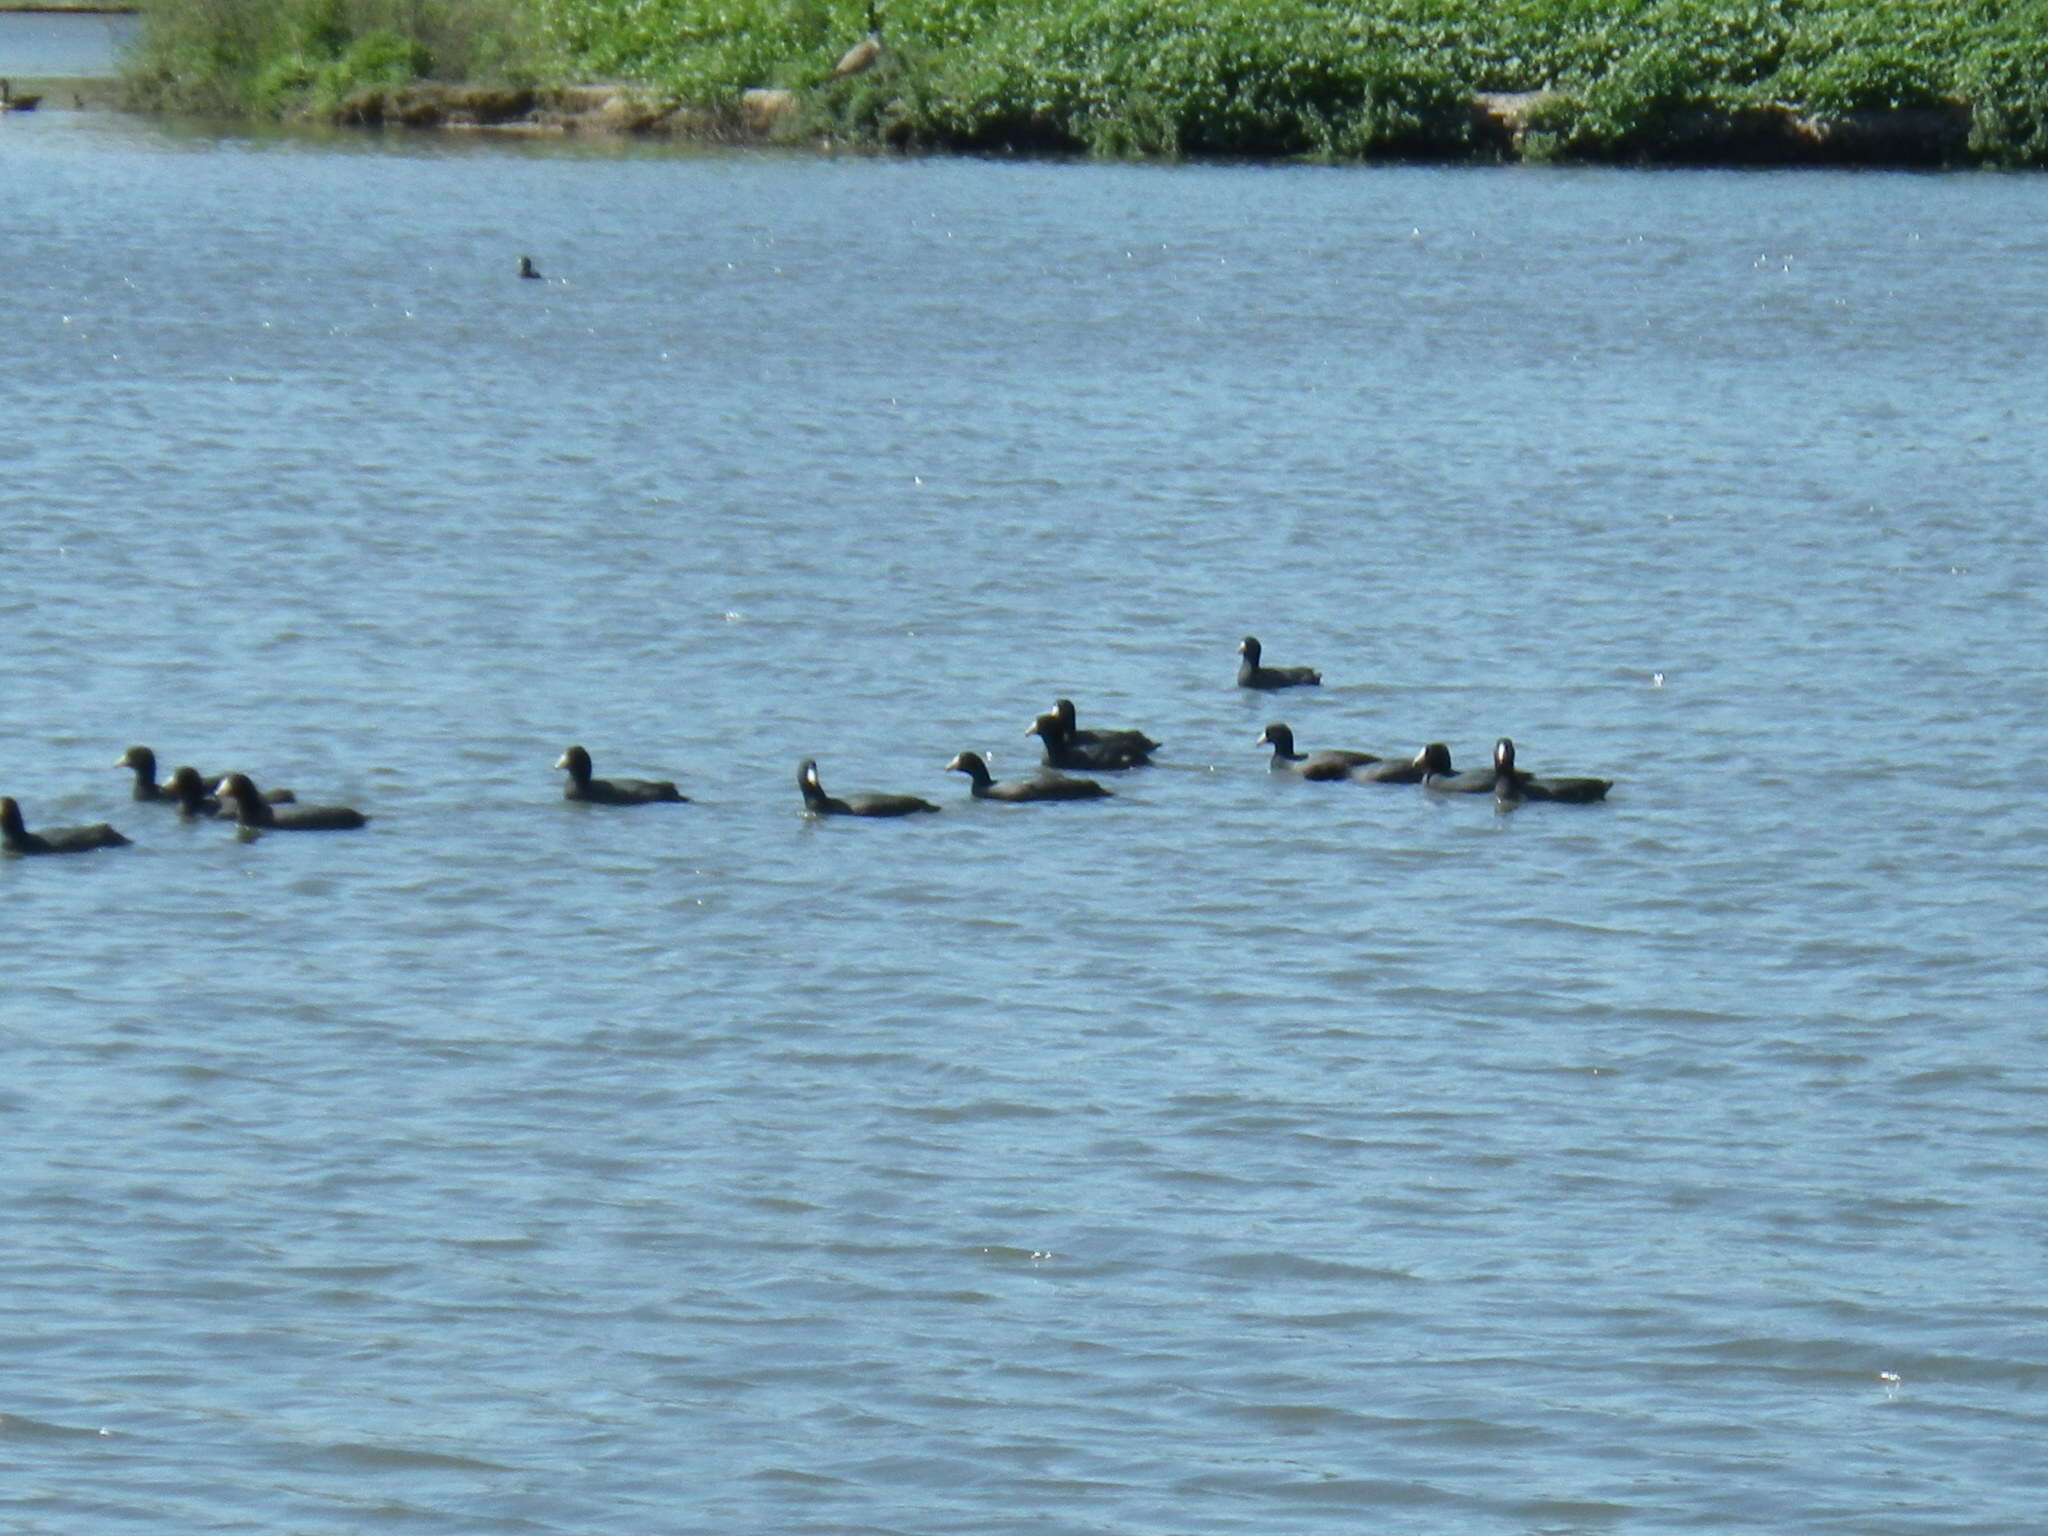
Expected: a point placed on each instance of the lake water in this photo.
(1235, 1155)
(65, 42)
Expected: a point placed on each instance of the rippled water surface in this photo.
(71, 43)
(1235, 1155)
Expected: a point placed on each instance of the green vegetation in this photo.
(275, 58)
(1329, 79)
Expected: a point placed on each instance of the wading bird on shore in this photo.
(862, 55)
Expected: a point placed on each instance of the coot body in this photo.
(1062, 751)
(818, 803)
(582, 786)
(1394, 770)
(1135, 740)
(1439, 776)
(1250, 674)
(1331, 763)
(17, 839)
(1043, 786)
(239, 796)
(1511, 785)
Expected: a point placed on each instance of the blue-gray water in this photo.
(1236, 1155)
(65, 42)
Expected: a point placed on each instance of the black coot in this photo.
(1440, 776)
(143, 762)
(239, 796)
(818, 803)
(1062, 751)
(1396, 770)
(582, 786)
(1251, 675)
(1511, 786)
(1043, 786)
(1330, 763)
(16, 838)
(190, 791)
(1136, 740)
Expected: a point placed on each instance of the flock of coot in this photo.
(1068, 752)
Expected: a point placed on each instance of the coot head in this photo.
(971, 764)
(577, 761)
(814, 794)
(143, 762)
(1435, 758)
(189, 790)
(238, 786)
(1504, 756)
(1280, 738)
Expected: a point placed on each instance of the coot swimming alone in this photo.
(1251, 675)
(582, 786)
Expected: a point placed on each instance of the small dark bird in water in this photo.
(143, 763)
(1137, 740)
(9, 102)
(1251, 675)
(818, 803)
(17, 839)
(1440, 776)
(1396, 770)
(1062, 751)
(239, 795)
(1043, 786)
(188, 788)
(528, 269)
(1511, 786)
(863, 54)
(1331, 763)
(582, 786)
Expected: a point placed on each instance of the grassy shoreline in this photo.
(1909, 82)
